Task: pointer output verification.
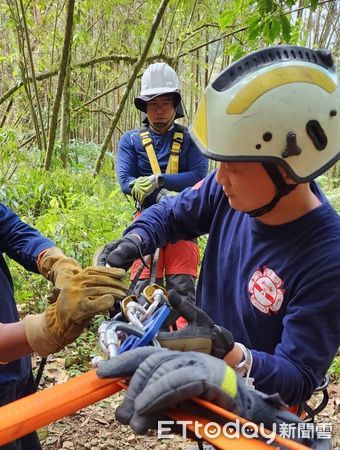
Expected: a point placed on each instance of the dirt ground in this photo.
(95, 427)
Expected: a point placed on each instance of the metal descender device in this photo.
(137, 325)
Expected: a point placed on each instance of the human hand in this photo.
(162, 379)
(164, 193)
(56, 267)
(201, 334)
(88, 293)
(121, 252)
(142, 187)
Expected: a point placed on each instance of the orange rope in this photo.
(221, 441)
(287, 443)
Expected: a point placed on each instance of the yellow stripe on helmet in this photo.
(275, 78)
(199, 125)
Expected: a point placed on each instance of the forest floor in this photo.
(95, 426)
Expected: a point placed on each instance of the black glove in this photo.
(121, 252)
(201, 334)
(163, 378)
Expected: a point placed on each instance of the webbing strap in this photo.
(148, 145)
(173, 163)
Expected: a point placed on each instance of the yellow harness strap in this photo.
(173, 163)
(148, 145)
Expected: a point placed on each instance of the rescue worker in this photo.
(78, 295)
(271, 268)
(157, 160)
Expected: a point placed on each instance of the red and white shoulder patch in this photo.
(265, 289)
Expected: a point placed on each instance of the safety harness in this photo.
(173, 163)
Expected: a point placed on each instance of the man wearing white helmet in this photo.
(158, 160)
(271, 269)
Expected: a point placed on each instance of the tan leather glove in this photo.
(57, 268)
(91, 291)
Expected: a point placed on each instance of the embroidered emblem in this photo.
(265, 289)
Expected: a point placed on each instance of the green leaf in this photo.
(265, 6)
(236, 51)
(54, 203)
(314, 4)
(227, 18)
(286, 28)
(272, 29)
(255, 27)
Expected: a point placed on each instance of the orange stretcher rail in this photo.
(286, 443)
(221, 441)
(37, 410)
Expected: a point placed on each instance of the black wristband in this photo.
(222, 342)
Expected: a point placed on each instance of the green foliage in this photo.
(250, 22)
(9, 156)
(313, 4)
(76, 211)
(330, 183)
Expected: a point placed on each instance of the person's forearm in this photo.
(13, 342)
(179, 181)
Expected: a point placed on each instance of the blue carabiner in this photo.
(151, 325)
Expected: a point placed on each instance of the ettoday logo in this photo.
(248, 430)
(212, 430)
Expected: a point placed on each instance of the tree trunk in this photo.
(65, 119)
(35, 86)
(4, 117)
(61, 78)
(24, 70)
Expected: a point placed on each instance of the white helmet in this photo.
(159, 79)
(277, 105)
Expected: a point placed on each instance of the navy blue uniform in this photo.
(23, 244)
(276, 288)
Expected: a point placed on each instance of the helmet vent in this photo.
(317, 135)
(292, 148)
(268, 56)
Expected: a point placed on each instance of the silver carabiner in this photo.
(134, 313)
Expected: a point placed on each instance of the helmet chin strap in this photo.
(282, 189)
(161, 126)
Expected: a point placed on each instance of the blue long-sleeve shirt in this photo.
(23, 244)
(276, 288)
(133, 162)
